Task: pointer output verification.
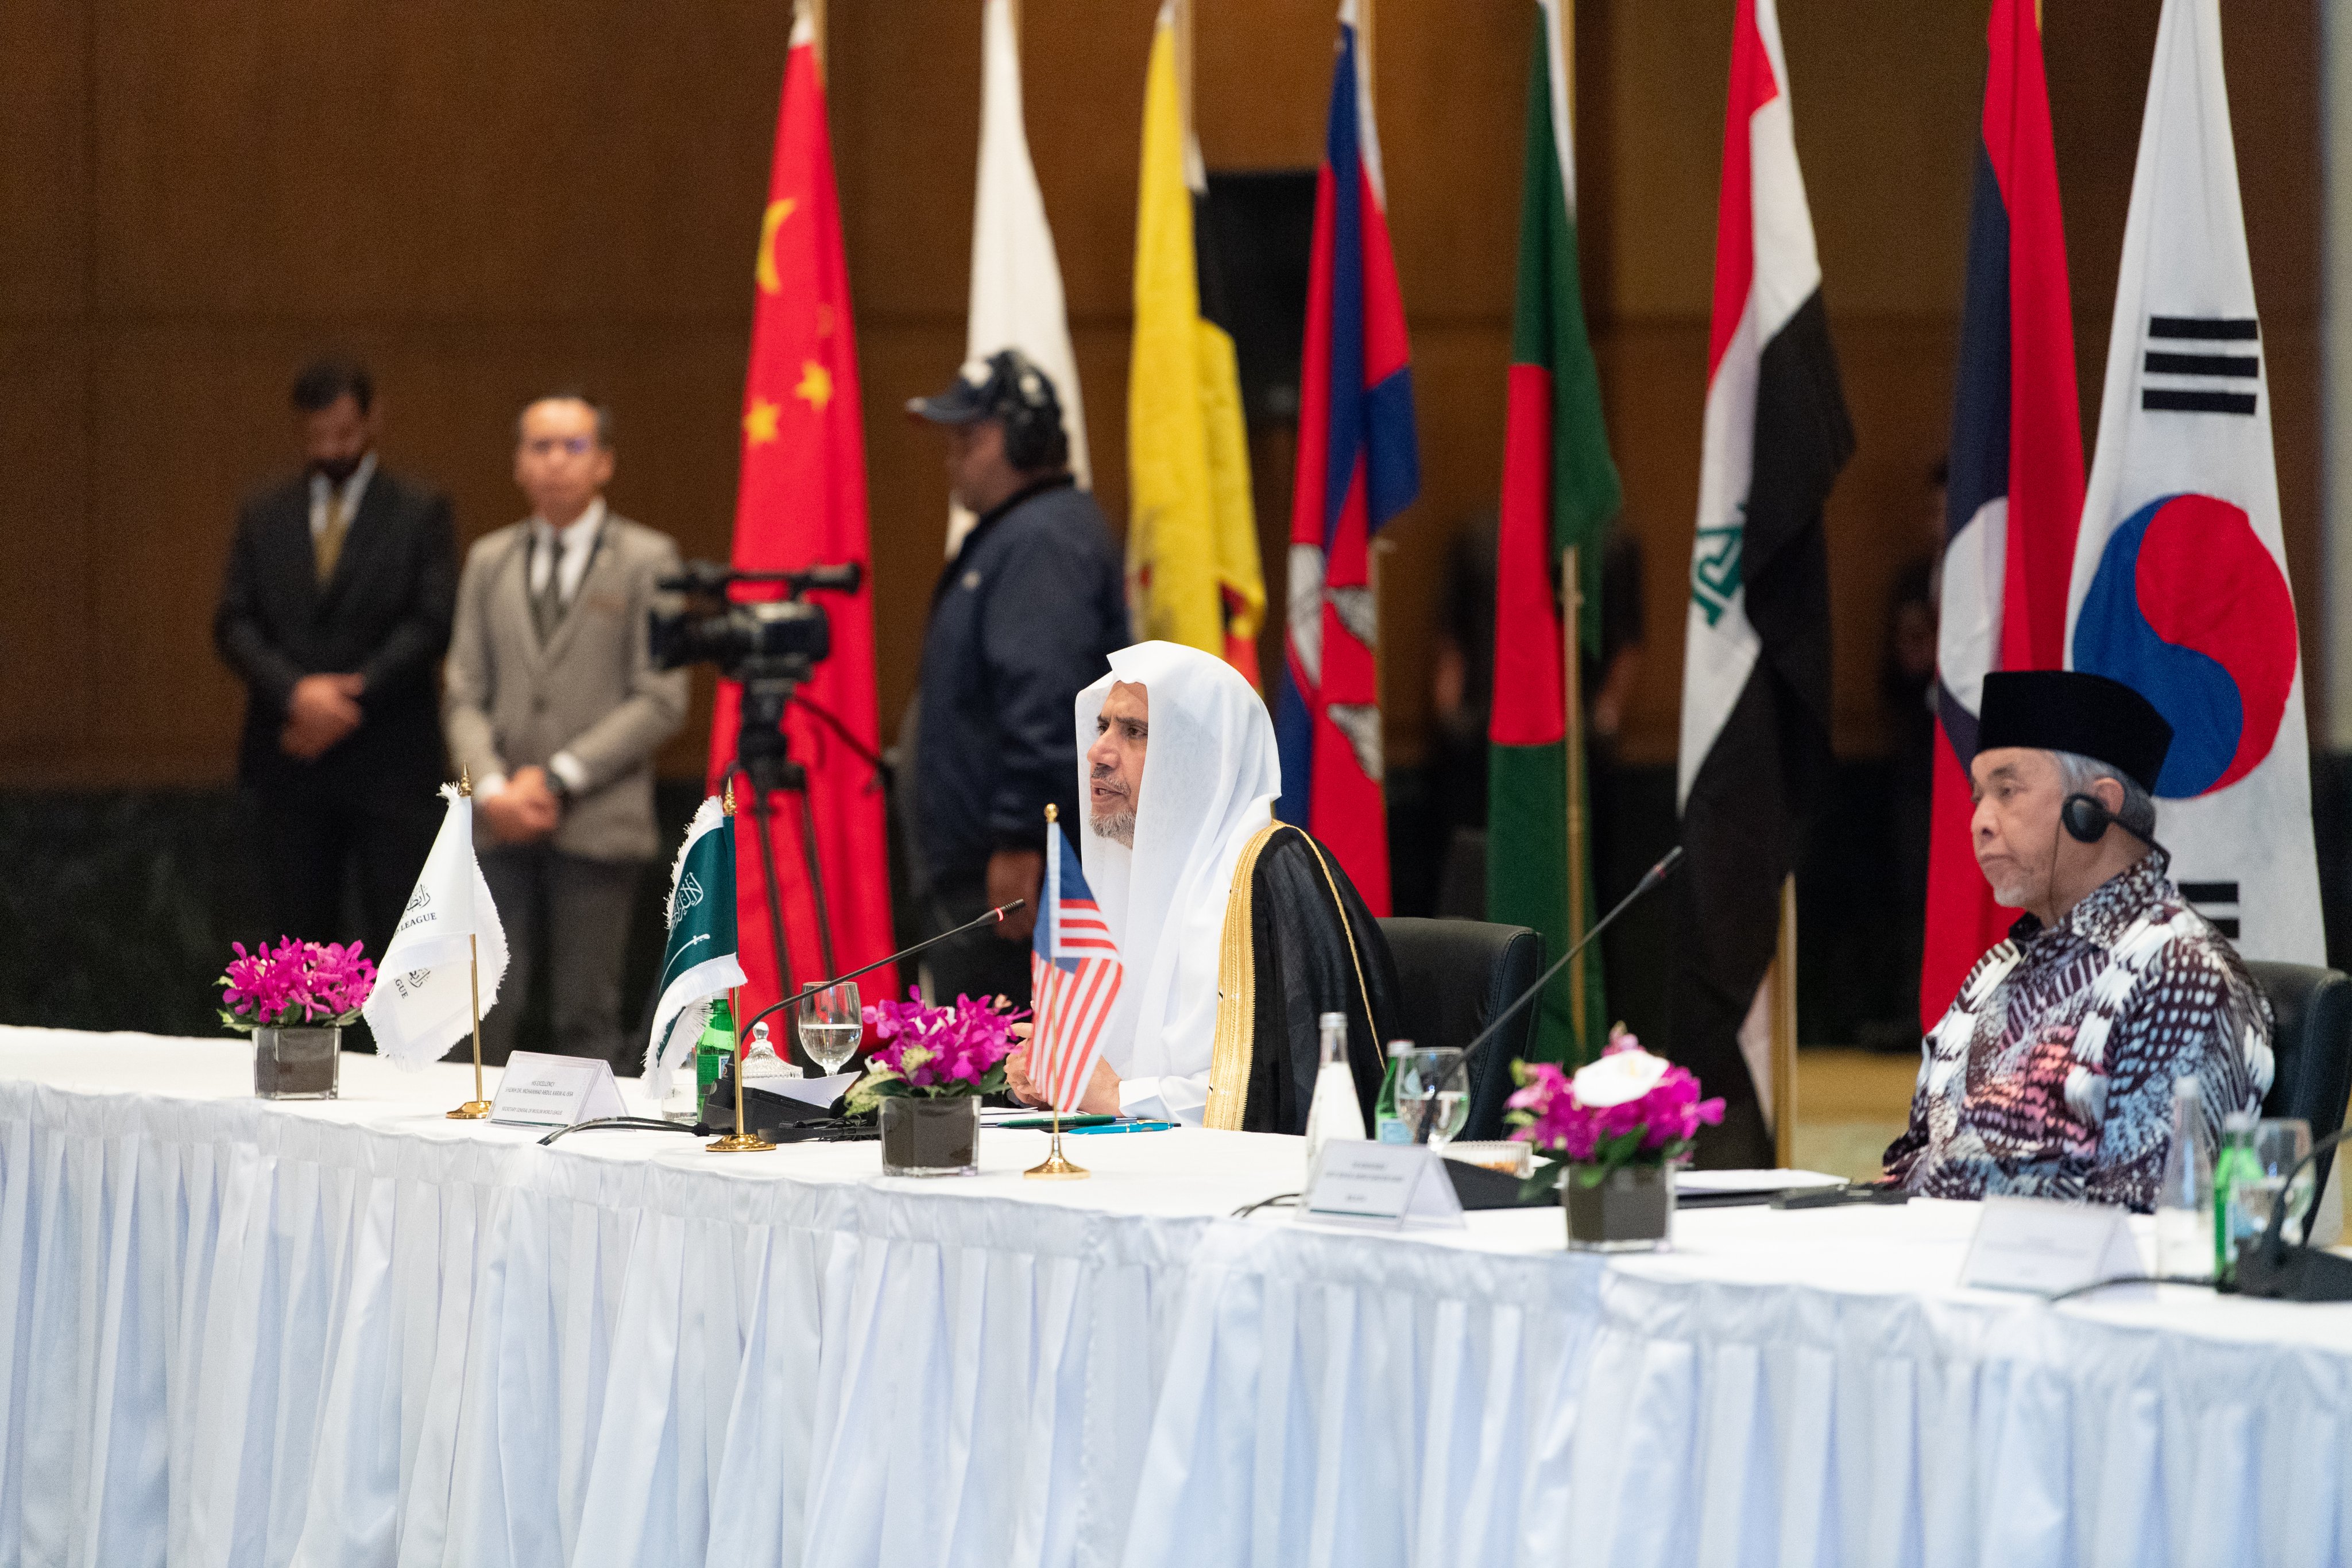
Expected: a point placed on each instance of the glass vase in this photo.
(1630, 1209)
(298, 1063)
(928, 1136)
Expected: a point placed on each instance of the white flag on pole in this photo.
(2179, 587)
(1016, 283)
(424, 998)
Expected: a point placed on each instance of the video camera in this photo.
(750, 640)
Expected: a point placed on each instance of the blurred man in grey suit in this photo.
(553, 705)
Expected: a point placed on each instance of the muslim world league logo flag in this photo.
(699, 963)
(423, 1002)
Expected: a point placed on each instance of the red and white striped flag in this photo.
(1073, 978)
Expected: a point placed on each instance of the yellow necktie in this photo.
(329, 546)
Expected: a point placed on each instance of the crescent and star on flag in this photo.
(761, 417)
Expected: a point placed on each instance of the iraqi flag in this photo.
(801, 502)
(1755, 651)
(1357, 467)
(2016, 487)
(2180, 585)
(1559, 489)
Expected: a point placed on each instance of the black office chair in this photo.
(2311, 1049)
(1453, 976)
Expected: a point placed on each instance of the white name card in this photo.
(2041, 1245)
(1360, 1182)
(543, 1091)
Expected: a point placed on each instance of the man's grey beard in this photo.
(1118, 827)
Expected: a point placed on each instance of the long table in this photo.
(353, 1331)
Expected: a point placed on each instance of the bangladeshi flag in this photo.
(1559, 489)
(801, 502)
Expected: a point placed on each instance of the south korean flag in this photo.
(2180, 587)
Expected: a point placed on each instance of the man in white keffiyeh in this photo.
(2051, 1074)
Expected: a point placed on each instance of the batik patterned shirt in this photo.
(2052, 1074)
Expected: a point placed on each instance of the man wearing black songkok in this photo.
(2052, 1074)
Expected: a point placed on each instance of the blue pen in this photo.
(1119, 1127)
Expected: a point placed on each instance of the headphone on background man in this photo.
(1024, 400)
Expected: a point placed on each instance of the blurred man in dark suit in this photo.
(335, 612)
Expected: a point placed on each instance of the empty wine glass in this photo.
(1420, 1073)
(831, 1025)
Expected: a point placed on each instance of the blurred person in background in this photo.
(554, 707)
(335, 612)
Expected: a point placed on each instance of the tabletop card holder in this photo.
(1383, 1186)
(542, 1090)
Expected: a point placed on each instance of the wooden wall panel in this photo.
(485, 199)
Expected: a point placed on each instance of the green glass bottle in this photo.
(711, 1055)
(1388, 1127)
(2237, 1162)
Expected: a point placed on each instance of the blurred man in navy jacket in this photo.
(1025, 617)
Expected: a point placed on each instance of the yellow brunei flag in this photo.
(1191, 540)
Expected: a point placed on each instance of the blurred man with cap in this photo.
(1027, 614)
(2052, 1074)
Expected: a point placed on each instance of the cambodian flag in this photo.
(1357, 467)
(2016, 482)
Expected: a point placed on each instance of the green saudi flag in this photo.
(1559, 488)
(699, 963)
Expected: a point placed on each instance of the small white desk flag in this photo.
(424, 998)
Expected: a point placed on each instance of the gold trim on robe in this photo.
(1236, 1043)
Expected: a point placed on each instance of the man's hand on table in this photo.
(1101, 1098)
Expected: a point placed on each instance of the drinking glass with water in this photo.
(1419, 1072)
(831, 1026)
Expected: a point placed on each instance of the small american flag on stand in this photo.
(1073, 977)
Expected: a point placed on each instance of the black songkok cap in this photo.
(2072, 710)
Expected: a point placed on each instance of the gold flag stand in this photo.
(477, 1108)
(741, 1141)
(1056, 1166)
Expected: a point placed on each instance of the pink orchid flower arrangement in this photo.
(295, 985)
(1627, 1108)
(940, 1053)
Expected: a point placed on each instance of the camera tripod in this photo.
(763, 759)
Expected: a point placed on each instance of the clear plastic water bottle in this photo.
(1334, 1112)
(2184, 1202)
(1389, 1127)
(2237, 1163)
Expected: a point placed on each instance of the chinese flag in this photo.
(802, 503)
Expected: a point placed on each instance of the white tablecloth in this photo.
(356, 1333)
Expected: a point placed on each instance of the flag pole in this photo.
(742, 1140)
(1055, 1167)
(1784, 1030)
(815, 9)
(1571, 597)
(477, 1108)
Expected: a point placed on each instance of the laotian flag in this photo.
(2015, 492)
(1357, 467)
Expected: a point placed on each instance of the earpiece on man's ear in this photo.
(2086, 817)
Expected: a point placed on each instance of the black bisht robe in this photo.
(1296, 928)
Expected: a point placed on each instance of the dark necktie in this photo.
(547, 603)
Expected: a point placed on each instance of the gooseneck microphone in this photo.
(2294, 1271)
(989, 917)
(1461, 1064)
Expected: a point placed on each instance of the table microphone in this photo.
(1650, 879)
(988, 918)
